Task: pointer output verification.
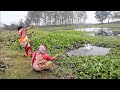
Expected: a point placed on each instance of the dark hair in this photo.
(45, 45)
(19, 28)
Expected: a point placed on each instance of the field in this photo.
(59, 41)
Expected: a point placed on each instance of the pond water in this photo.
(100, 31)
(89, 29)
(83, 52)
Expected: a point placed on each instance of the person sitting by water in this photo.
(23, 40)
(41, 60)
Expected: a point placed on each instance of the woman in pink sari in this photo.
(41, 60)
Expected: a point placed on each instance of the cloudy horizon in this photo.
(13, 17)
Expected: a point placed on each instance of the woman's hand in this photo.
(29, 27)
(57, 55)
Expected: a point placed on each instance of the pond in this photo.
(100, 31)
(83, 52)
(89, 29)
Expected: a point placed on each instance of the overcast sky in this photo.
(8, 17)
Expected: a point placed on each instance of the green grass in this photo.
(60, 41)
(68, 27)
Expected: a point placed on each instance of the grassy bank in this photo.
(59, 41)
(68, 27)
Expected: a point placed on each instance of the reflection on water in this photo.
(94, 51)
(100, 31)
(89, 29)
(92, 34)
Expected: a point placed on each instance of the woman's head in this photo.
(19, 28)
(43, 49)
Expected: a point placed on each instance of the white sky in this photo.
(91, 17)
(8, 17)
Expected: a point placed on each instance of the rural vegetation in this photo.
(60, 37)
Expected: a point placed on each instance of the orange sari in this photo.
(23, 41)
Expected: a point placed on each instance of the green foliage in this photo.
(83, 67)
(102, 15)
(10, 27)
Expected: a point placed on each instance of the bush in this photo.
(11, 27)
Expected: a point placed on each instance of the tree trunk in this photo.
(62, 20)
(108, 20)
(72, 20)
(84, 21)
(78, 20)
(102, 22)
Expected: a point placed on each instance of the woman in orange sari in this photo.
(23, 40)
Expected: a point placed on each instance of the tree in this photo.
(55, 17)
(33, 16)
(84, 16)
(101, 15)
(27, 22)
(6, 27)
(50, 16)
(21, 23)
(79, 16)
(109, 15)
(13, 27)
(10, 27)
(116, 15)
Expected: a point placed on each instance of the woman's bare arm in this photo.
(55, 57)
(29, 27)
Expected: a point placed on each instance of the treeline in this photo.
(10, 27)
(59, 18)
(107, 15)
(47, 18)
(40, 18)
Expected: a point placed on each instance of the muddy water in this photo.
(94, 51)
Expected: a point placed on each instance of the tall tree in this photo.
(110, 15)
(84, 16)
(116, 15)
(101, 15)
(27, 22)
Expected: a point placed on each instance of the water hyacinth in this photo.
(83, 67)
